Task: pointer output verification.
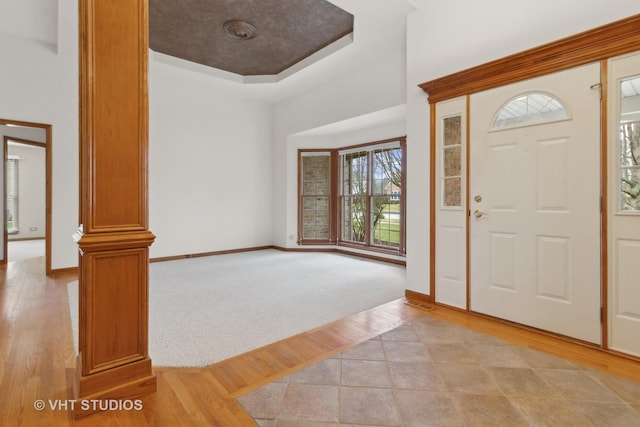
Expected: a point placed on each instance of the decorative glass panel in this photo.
(630, 145)
(453, 130)
(530, 108)
(452, 191)
(452, 162)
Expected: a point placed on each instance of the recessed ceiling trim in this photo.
(271, 78)
(258, 39)
(306, 62)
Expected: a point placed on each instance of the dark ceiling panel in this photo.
(287, 31)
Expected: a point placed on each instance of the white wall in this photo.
(210, 165)
(376, 86)
(445, 37)
(221, 133)
(37, 85)
(31, 19)
(31, 191)
(200, 138)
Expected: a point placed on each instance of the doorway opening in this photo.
(26, 174)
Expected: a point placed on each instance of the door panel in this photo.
(535, 233)
(451, 235)
(624, 221)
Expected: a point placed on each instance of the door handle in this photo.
(479, 214)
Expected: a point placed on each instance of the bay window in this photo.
(368, 201)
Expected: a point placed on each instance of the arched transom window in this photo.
(530, 108)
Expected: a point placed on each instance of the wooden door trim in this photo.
(604, 197)
(595, 45)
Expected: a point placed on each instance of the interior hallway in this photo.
(22, 250)
(37, 359)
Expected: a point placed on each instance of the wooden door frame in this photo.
(48, 186)
(596, 45)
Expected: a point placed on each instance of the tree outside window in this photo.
(630, 166)
(371, 197)
(365, 207)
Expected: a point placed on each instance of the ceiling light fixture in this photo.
(240, 30)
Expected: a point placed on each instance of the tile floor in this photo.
(431, 373)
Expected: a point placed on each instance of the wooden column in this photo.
(113, 240)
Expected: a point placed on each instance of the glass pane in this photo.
(353, 218)
(452, 192)
(530, 108)
(630, 189)
(452, 161)
(630, 144)
(385, 217)
(630, 166)
(387, 171)
(452, 130)
(355, 173)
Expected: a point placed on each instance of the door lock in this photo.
(479, 214)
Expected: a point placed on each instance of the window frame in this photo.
(331, 240)
(336, 197)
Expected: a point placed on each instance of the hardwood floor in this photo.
(37, 358)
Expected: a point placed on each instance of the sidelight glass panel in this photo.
(629, 144)
(452, 162)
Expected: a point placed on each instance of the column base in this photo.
(106, 391)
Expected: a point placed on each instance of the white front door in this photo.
(535, 203)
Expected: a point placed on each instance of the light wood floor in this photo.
(37, 359)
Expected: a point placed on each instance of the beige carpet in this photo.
(204, 310)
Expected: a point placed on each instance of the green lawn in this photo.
(387, 232)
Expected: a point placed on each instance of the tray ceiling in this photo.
(248, 38)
